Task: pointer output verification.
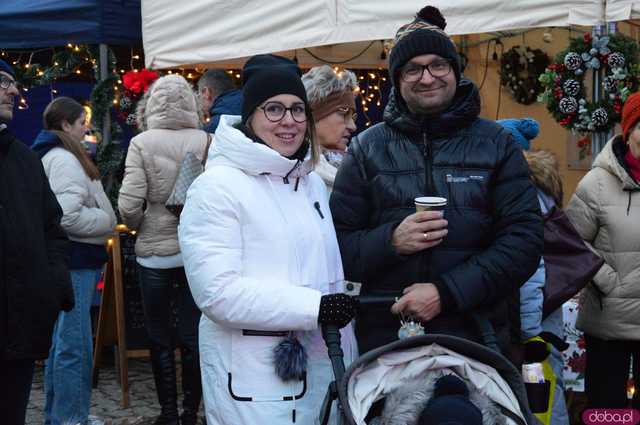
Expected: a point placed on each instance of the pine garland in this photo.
(66, 62)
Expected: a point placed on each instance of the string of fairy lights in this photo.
(84, 65)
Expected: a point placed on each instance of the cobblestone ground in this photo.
(106, 399)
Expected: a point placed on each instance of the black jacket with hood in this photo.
(495, 230)
(34, 278)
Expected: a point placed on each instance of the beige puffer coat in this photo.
(605, 210)
(171, 122)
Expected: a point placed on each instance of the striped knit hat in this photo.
(424, 35)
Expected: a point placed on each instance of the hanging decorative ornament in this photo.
(610, 84)
(131, 119)
(409, 327)
(568, 105)
(616, 60)
(599, 117)
(572, 61)
(571, 87)
(125, 102)
(599, 50)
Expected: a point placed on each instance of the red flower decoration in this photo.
(578, 363)
(617, 106)
(587, 37)
(566, 120)
(139, 82)
(557, 67)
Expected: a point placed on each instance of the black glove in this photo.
(337, 309)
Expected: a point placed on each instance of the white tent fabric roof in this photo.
(195, 32)
(622, 10)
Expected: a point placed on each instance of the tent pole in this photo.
(600, 138)
(104, 74)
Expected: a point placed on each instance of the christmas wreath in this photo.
(136, 84)
(520, 68)
(563, 80)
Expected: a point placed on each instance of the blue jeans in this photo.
(67, 375)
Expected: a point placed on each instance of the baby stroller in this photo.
(398, 371)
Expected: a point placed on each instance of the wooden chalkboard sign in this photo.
(136, 333)
(111, 322)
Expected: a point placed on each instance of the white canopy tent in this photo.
(622, 10)
(201, 32)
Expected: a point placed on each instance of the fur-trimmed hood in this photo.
(403, 406)
(611, 159)
(170, 103)
(545, 174)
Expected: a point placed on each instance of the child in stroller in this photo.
(407, 374)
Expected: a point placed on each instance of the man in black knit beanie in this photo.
(454, 271)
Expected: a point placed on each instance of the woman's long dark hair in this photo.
(65, 109)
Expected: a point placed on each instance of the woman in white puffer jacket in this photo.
(262, 258)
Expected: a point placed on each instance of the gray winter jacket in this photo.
(605, 210)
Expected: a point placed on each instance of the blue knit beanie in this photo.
(524, 130)
(5, 67)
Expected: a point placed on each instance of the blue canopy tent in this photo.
(33, 24)
(28, 24)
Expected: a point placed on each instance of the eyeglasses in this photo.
(275, 111)
(345, 113)
(6, 82)
(413, 72)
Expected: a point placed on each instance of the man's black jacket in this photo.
(495, 230)
(34, 279)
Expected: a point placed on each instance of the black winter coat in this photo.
(34, 279)
(495, 229)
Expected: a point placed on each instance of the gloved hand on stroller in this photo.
(337, 309)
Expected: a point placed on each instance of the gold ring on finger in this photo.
(426, 236)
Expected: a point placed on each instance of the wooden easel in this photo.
(111, 320)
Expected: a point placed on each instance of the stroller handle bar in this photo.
(377, 300)
(331, 335)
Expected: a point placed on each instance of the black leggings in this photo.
(157, 294)
(607, 372)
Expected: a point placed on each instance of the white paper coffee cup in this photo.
(430, 203)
